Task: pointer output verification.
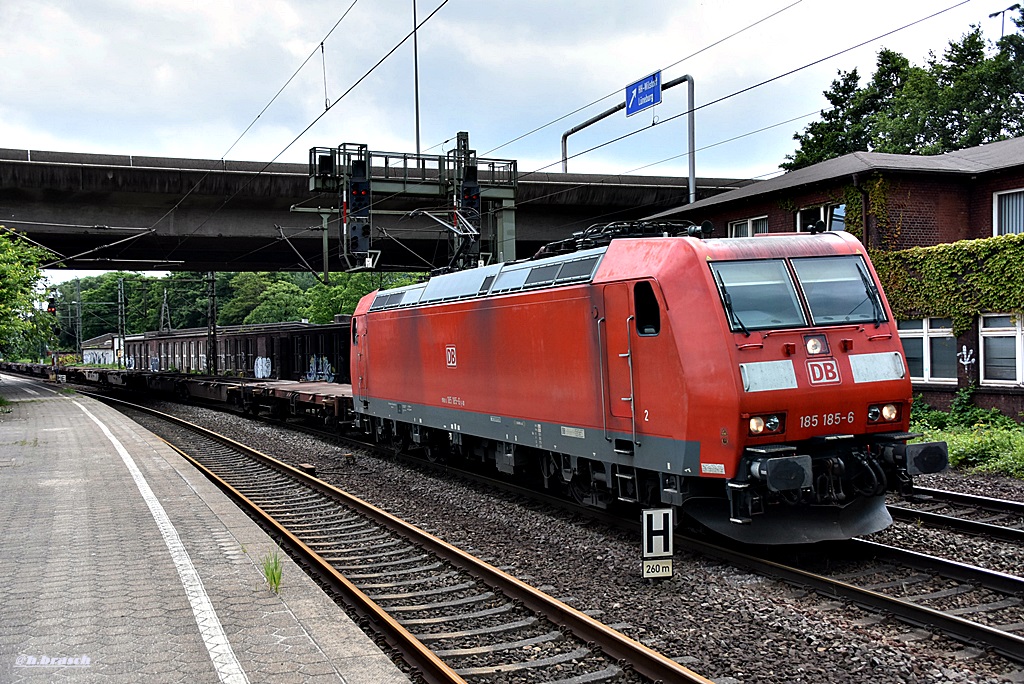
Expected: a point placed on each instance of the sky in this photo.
(178, 78)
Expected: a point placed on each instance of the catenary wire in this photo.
(606, 143)
(292, 77)
(733, 94)
(616, 92)
(251, 124)
(308, 127)
(752, 87)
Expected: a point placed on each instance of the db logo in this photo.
(823, 372)
(449, 353)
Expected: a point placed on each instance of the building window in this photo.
(1008, 212)
(832, 215)
(1000, 350)
(930, 349)
(748, 227)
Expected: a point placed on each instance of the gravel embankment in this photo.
(726, 623)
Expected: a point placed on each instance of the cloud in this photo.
(183, 78)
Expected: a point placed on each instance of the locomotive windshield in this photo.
(839, 290)
(759, 295)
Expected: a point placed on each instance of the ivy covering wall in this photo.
(958, 280)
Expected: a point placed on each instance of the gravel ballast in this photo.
(721, 621)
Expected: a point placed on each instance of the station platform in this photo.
(121, 563)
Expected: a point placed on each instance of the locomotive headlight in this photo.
(815, 345)
(765, 425)
(885, 413)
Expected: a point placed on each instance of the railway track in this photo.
(971, 604)
(453, 617)
(974, 605)
(964, 513)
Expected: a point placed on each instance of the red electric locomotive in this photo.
(757, 384)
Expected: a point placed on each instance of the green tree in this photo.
(324, 301)
(23, 326)
(246, 290)
(905, 125)
(342, 296)
(840, 131)
(971, 95)
(188, 298)
(100, 305)
(281, 301)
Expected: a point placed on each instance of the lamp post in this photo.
(416, 74)
(1002, 13)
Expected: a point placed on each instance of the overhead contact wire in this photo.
(756, 85)
(252, 177)
(253, 122)
(616, 92)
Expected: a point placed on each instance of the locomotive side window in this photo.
(758, 294)
(648, 313)
(355, 331)
(839, 290)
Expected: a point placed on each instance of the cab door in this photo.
(360, 353)
(619, 324)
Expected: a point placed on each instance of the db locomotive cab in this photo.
(824, 399)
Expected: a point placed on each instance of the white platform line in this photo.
(224, 661)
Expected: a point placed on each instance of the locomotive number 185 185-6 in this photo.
(826, 419)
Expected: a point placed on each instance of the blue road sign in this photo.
(643, 93)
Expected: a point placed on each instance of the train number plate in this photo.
(832, 419)
(661, 567)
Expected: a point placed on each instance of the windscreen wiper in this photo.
(727, 298)
(872, 293)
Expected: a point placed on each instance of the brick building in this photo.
(894, 201)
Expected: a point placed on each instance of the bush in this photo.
(977, 447)
(964, 413)
(979, 440)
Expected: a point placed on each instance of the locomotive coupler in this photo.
(782, 473)
(917, 459)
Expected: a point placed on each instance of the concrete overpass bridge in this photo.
(116, 212)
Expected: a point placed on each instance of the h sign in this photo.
(657, 533)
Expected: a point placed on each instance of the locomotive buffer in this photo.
(657, 542)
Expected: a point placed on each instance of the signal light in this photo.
(359, 199)
(470, 198)
(51, 306)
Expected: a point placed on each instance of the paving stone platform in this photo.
(120, 563)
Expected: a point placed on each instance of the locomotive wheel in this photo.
(434, 454)
(578, 493)
(398, 439)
